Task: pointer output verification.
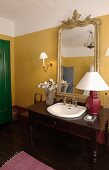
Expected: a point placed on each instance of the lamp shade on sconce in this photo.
(93, 82)
(107, 52)
(43, 55)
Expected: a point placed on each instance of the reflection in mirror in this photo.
(67, 74)
(74, 40)
(78, 51)
(76, 56)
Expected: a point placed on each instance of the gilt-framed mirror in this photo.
(78, 53)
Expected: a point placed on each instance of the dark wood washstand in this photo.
(79, 127)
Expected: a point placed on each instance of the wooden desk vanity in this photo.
(79, 127)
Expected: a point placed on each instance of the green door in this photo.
(5, 82)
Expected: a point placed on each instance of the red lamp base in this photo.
(93, 103)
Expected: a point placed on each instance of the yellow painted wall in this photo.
(11, 39)
(28, 66)
(104, 44)
(28, 70)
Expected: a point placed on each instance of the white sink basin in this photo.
(66, 110)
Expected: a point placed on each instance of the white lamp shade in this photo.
(43, 55)
(107, 52)
(92, 81)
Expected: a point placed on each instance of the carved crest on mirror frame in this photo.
(76, 21)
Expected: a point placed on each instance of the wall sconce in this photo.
(90, 41)
(43, 56)
(107, 52)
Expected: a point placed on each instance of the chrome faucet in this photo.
(64, 100)
(74, 101)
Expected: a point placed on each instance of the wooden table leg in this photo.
(31, 136)
(106, 133)
(94, 150)
(94, 156)
(31, 130)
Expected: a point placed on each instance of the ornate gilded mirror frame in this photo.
(71, 23)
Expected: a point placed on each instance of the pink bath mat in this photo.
(23, 161)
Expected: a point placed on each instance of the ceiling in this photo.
(33, 15)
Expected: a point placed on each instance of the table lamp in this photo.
(93, 82)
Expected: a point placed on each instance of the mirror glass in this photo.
(74, 41)
(76, 58)
(77, 52)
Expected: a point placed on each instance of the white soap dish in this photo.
(90, 118)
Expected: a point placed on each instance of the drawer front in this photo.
(45, 120)
(59, 124)
(74, 129)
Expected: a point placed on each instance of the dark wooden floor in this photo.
(57, 149)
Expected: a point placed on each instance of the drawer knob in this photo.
(55, 123)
